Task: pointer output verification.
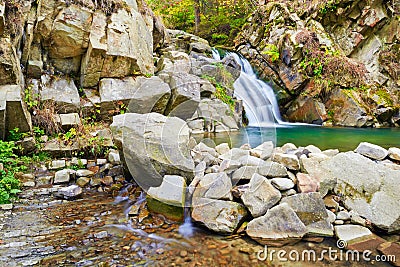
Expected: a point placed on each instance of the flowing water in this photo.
(266, 124)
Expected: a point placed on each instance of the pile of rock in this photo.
(74, 174)
(284, 194)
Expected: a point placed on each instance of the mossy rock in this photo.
(174, 213)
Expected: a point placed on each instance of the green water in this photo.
(344, 139)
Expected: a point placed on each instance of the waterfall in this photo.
(258, 97)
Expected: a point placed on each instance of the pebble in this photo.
(101, 234)
(183, 253)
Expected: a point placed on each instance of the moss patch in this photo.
(174, 213)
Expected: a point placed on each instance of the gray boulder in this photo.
(185, 95)
(371, 151)
(62, 91)
(370, 189)
(278, 227)
(218, 215)
(394, 153)
(153, 145)
(214, 186)
(260, 196)
(171, 191)
(311, 210)
(150, 95)
(263, 151)
(288, 160)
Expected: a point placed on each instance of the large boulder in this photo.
(278, 227)
(371, 151)
(217, 116)
(260, 195)
(150, 95)
(153, 145)
(13, 110)
(214, 186)
(311, 210)
(220, 216)
(369, 188)
(70, 32)
(62, 91)
(185, 95)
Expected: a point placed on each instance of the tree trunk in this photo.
(196, 15)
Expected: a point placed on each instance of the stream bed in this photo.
(94, 231)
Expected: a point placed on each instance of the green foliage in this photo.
(221, 94)
(31, 99)
(385, 96)
(9, 185)
(330, 6)
(272, 51)
(16, 135)
(220, 20)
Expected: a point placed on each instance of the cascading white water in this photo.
(258, 97)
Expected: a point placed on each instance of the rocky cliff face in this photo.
(107, 49)
(333, 61)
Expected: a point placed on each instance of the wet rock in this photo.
(394, 153)
(263, 151)
(156, 145)
(260, 196)
(348, 113)
(220, 216)
(70, 192)
(282, 183)
(278, 227)
(310, 208)
(289, 161)
(371, 151)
